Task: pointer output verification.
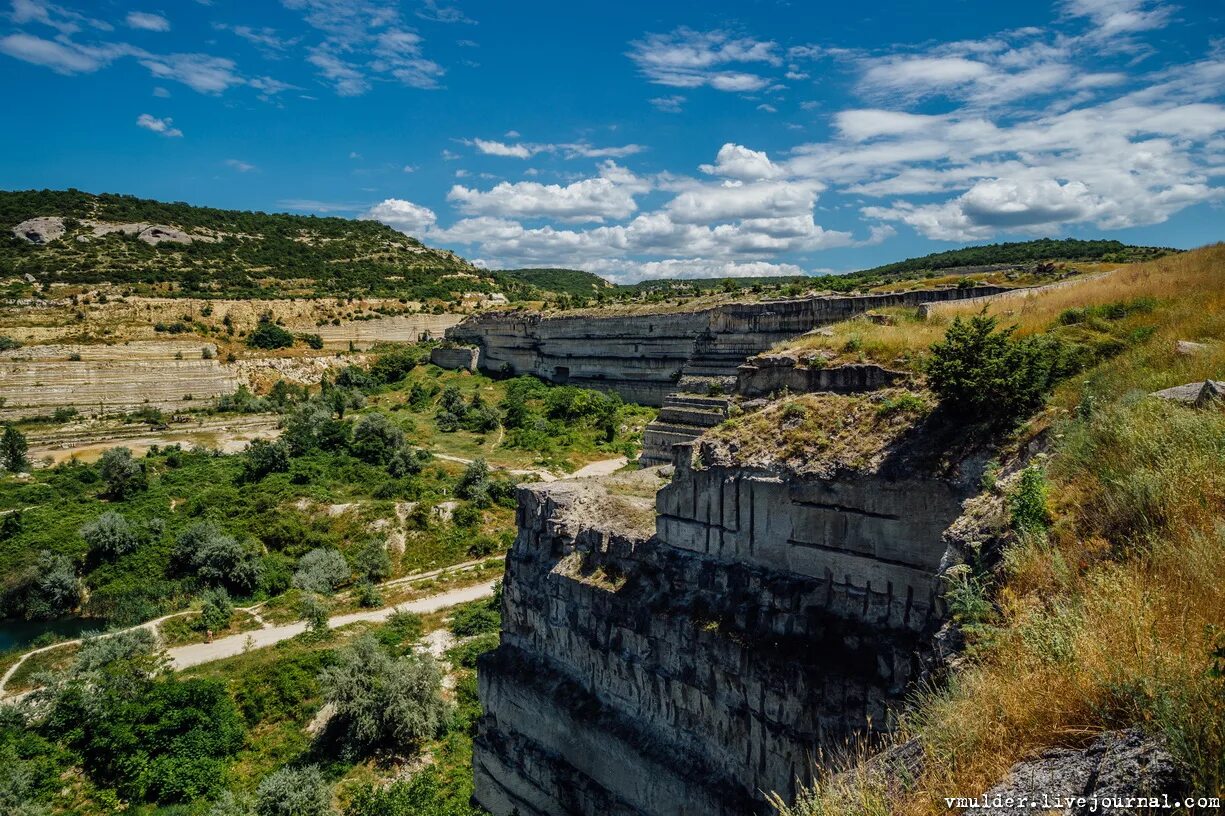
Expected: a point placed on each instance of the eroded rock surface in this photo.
(689, 672)
(1125, 767)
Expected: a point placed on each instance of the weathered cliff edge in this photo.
(644, 357)
(691, 671)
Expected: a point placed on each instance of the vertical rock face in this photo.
(645, 357)
(693, 670)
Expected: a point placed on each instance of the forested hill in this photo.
(84, 238)
(1022, 252)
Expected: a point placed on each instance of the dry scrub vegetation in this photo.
(1111, 612)
(906, 340)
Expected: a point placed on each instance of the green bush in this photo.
(477, 618)
(217, 610)
(268, 335)
(427, 793)
(217, 559)
(124, 476)
(986, 375)
(1027, 502)
(383, 701)
(321, 570)
(263, 457)
(109, 536)
(293, 792)
(376, 439)
(151, 737)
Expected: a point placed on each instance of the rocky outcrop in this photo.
(768, 374)
(458, 358)
(1133, 772)
(771, 615)
(40, 230)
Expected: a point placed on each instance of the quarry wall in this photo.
(689, 671)
(644, 357)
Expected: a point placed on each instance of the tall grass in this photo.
(1168, 281)
(1114, 616)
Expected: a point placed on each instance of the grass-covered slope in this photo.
(1103, 608)
(235, 252)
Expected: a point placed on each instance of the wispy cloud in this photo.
(240, 165)
(691, 59)
(146, 21)
(163, 127)
(569, 150)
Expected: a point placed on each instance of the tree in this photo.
(372, 562)
(217, 559)
(407, 461)
(217, 610)
(321, 570)
(381, 701)
(13, 450)
(376, 438)
(109, 535)
(986, 375)
(293, 792)
(49, 589)
(474, 483)
(314, 613)
(313, 427)
(124, 476)
(263, 457)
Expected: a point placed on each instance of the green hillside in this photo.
(232, 253)
(573, 282)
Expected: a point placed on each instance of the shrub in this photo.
(376, 439)
(372, 562)
(149, 736)
(123, 475)
(217, 559)
(263, 457)
(293, 792)
(400, 628)
(109, 536)
(368, 595)
(268, 335)
(479, 618)
(407, 461)
(313, 427)
(427, 793)
(49, 589)
(13, 450)
(380, 700)
(217, 610)
(1027, 503)
(314, 612)
(983, 374)
(474, 483)
(312, 340)
(321, 570)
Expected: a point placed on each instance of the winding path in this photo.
(193, 654)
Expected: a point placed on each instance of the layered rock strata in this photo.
(769, 617)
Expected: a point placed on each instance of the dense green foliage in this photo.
(149, 735)
(575, 283)
(13, 449)
(256, 254)
(268, 335)
(984, 374)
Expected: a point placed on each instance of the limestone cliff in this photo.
(693, 664)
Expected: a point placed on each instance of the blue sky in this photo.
(641, 139)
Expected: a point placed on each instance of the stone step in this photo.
(704, 401)
(686, 415)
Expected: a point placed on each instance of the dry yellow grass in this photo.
(1115, 617)
(905, 343)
